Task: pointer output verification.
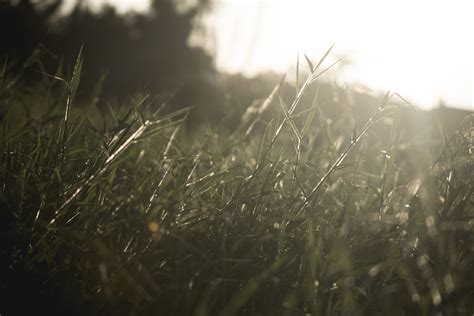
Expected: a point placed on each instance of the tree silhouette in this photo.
(136, 51)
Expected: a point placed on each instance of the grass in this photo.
(119, 210)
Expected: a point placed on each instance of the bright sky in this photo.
(122, 6)
(422, 49)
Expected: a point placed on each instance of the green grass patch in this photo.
(121, 210)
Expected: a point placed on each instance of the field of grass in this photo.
(125, 210)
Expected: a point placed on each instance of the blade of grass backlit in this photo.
(76, 74)
(104, 168)
(290, 112)
(310, 64)
(72, 89)
(378, 115)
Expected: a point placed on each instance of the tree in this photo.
(139, 51)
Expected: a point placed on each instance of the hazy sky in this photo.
(419, 48)
(121, 5)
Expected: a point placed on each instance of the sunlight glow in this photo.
(421, 49)
(122, 6)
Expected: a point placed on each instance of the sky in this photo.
(122, 6)
(418, 48)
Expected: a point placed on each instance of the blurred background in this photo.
(220, 55)
(100, 211)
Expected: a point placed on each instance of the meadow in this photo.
(126, 209)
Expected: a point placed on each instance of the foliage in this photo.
(120, 210)
(148, 52)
